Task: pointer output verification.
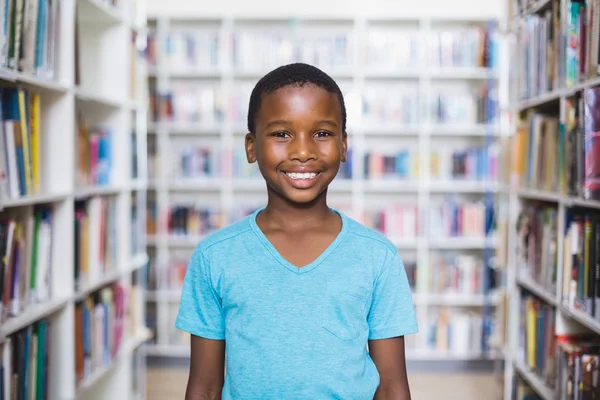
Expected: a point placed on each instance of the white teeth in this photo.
(301, 175)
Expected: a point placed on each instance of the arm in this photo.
(207, 366)
(388, 356)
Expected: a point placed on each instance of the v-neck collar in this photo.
(282, 260)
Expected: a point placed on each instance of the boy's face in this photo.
(299, 142)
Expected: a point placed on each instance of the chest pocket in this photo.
(344, 310)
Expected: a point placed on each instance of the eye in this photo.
(281, 135)
(323, 134)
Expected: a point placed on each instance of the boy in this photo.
(297, 290)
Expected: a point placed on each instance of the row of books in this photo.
(202, 48)
(456, 274)
(95, 239)
(26, 237)
(29, 35)
(561, 157)
(474, 46)
(472, 164)
(209, 105)
(581, 266)
(462, 105)
(20, 141)
(25, 361)
(99, 330)
(558, 48)
(190, 220)
(454, 331)
(394, 220)
(104, 321)
(457, 218)
(537, 337)
(94, 154)
(536, 250)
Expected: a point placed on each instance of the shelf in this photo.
(534, 381)
(440, 355)
(99, 11)
(33, 81)
(582, 318)
(455, 299)
(95, 99)
(126, 349)
(31, 314)
(91, 191)
(458, 243)
(463, 73)
(556, 95)
(33, 200)
(537, 289)
(111, 277)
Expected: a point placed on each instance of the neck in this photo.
(287, 215)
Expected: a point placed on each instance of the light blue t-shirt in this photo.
(297, 333)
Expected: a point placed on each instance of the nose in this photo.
(303, 148)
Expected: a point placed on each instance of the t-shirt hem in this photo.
(201, 332)
(391, 332)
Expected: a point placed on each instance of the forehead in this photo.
(306, 102)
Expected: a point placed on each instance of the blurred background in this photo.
(472, 129)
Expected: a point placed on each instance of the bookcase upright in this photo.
(73, 177)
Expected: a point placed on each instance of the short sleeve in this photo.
(392, 311)
(200, 310)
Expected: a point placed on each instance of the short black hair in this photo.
(296, 74)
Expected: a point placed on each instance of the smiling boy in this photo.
(297, 290)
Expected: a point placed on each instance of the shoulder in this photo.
(369, 238)
(224, 240)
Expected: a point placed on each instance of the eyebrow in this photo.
(284, 122)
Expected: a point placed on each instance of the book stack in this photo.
(471, 164)
(537, 338)
(464, 105)
(24, 362)
(20, 141)
(389, 49)
(94, 155)
(29, 36)
(95, 240)
(189, 49)
(101, 325)
(402, 164)
(536, 251)
(26, 251)
(195, 161)
(456, 274)
(460, 219)
(392, 104)
(462, 47)
(453, 331)
(581, 265)
(189, 220)
(395, 221)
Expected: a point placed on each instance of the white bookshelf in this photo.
(356, 195)
(568, 320)
(106, 98)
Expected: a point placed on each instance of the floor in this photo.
(169, 383)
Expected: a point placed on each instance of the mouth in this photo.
(301, 175)
(301, 180)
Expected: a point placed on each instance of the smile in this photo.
(301, 175)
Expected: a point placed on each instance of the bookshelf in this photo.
(553, 318)
(404, 136)
(73, 180)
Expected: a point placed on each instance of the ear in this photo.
(344, 146)
(250, 155)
